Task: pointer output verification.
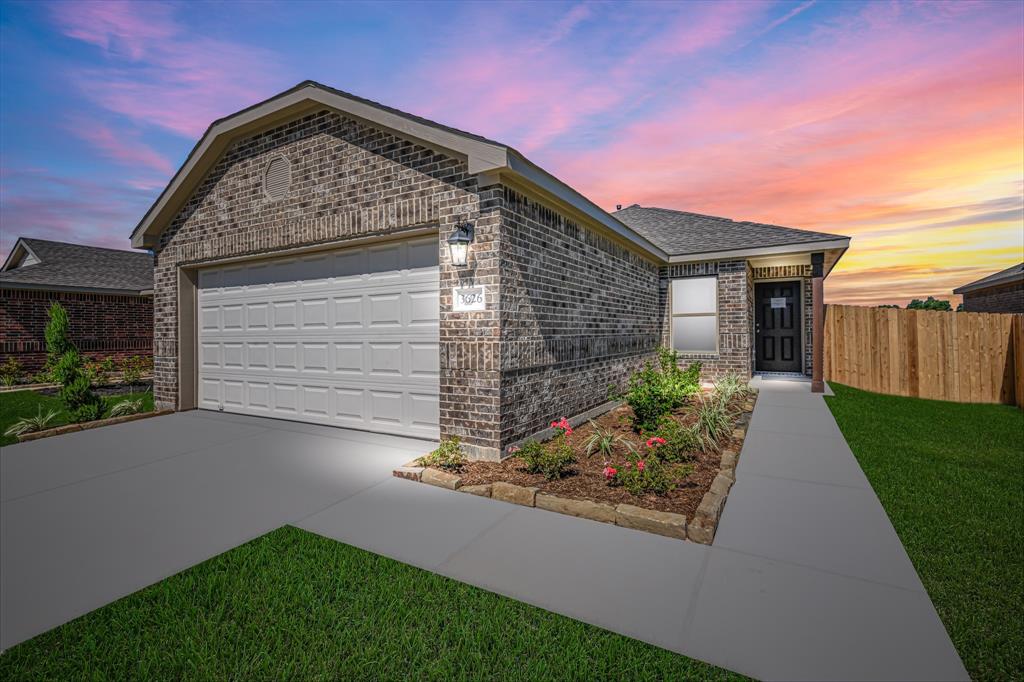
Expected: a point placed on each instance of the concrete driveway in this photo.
(806, 579)
(90, 517)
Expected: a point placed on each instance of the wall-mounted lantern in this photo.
(458, 243)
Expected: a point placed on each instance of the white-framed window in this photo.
(695, 315)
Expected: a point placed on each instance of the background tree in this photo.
(931, 303)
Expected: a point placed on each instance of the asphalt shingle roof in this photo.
(87, 267)
(1010, 274)
(681, 233)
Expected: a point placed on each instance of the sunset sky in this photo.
(898, 124)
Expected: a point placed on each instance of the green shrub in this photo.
(10, 371)
(131, 369)
(604, 442)
(448, 456)
(642, 475)
(653, 393)
(43, 376)
(76, 392)
(125, 408)
(58, 341)
(552, 461)
(713, 422)
(680, 441)
(32, 424)
(731, 386)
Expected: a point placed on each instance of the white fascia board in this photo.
(538, 177)
(805, 247)
(12, 257)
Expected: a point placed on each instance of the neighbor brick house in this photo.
(1002, 292)
(108, 294)
(304, 271)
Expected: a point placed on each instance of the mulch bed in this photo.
(109, 389)
(587, 481)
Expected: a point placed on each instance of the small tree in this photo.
(58, 342)
(66, 367)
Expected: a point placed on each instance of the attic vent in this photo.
(277, 178)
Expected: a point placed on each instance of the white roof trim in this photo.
(12, 260)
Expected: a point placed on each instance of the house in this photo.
(1002, 292)
(324, 258)
(108, 294)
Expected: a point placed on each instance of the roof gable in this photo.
(487, 158)
(44, 264)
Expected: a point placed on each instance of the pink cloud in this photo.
(543, 89)
(161, 72)
(35, 203)
(123, 147)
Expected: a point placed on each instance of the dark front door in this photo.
(777, 331)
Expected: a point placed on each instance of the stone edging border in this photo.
(701, 527)
(42, 387)
(71, 428)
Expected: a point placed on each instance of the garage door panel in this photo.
(315, 358)
(385, 310)
(423, 410)
(257, 316)
(347, 338)
(314, 313)
(424, 359)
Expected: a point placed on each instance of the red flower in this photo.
(655, 441)
(512, 449)
(640, 465)
(563, 424)
(609, 473)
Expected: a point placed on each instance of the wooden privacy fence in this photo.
(964, 357)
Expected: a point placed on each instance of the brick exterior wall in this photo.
(102, 325)
(578, 312)
(736, 281)
(349, 181)
(735, 316)
(1008, 298)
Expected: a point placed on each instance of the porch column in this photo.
(818, 317)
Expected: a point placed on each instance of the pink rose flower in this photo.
(609, 473)
(640, 465)
(655, 441)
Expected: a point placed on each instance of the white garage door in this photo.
(348, 338)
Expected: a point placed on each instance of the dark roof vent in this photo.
(618, 207)
(277, 179)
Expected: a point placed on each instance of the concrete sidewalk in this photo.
(806, 579)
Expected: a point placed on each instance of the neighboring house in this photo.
(1002, 292)
(305, 269)
(108, 295)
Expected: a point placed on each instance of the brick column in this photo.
(817, 337)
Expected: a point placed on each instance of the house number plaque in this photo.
(468, 299)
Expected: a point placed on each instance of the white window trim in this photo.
(673, 315)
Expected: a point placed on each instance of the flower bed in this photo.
(665, 480)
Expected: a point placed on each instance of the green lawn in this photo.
(18, 404)
(297, 606)
(951, 477)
